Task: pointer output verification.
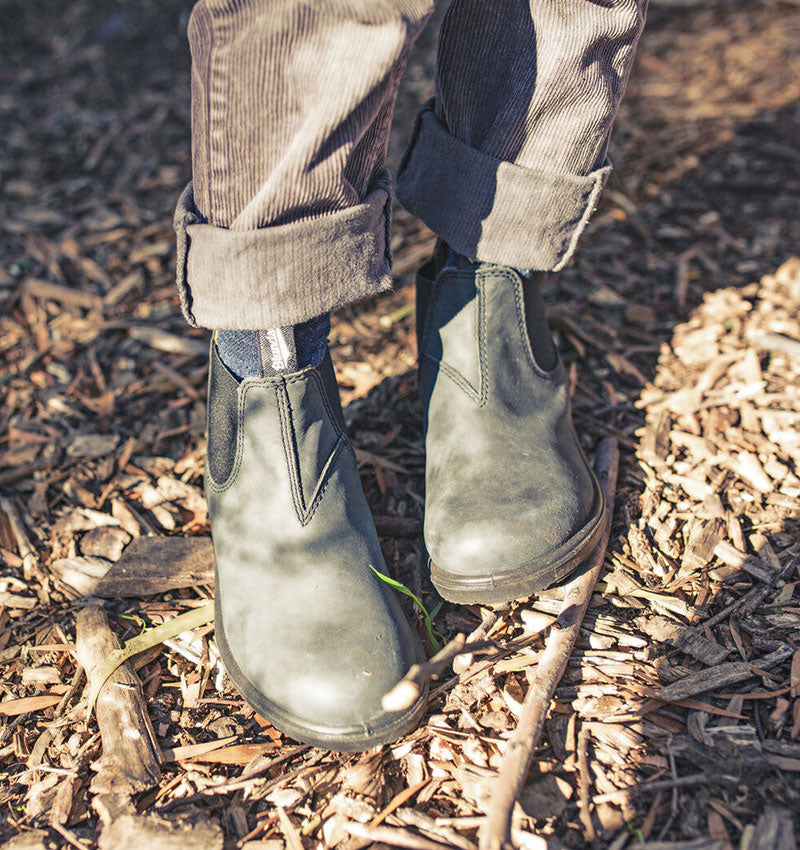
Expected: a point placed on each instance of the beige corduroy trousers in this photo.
(287, 216)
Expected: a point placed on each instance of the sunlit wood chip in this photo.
(748, 466)
(698, 490)
(534, 622)
(775, 469)
(513, 697)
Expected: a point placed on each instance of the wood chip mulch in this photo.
(677, 721)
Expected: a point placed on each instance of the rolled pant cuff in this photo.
(491, 210)
(284, 274)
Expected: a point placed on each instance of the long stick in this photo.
(558, 646)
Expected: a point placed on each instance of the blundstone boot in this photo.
(308, 633)
(511, 505)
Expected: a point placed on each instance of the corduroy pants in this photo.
(287, 216)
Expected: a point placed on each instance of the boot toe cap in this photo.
(322, 682)
(494, 559)
(533, 528)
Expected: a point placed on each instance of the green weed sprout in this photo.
(427, 618)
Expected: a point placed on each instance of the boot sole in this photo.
(352, 739)
(524, 581)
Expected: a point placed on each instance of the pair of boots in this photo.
(308, 632)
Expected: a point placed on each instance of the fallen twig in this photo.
(394, 836)
(665, 785)
(406, 692)
(431, 827)
(727, 673)
(558, 646)
(463, 661)
(583, 786)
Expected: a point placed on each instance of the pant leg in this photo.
(288, 213)
(507, 161)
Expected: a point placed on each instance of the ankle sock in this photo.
(541, 339)
(275, 351)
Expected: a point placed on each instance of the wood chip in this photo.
(153, 565)
(14, 707)
(727, 673)
(131, 756)
(158, 833)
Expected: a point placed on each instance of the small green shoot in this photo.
(186, 622)
(136, 619)
(427, 618)
(636, 832)
(402, 313)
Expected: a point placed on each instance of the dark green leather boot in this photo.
(511, 505)
(310, 636)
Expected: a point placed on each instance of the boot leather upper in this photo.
(506, 480)
(306, 621)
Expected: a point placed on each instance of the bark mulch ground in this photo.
(677, 721)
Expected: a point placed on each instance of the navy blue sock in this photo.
(272, 352)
